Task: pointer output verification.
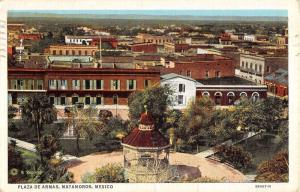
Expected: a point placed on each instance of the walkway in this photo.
(211, 152)
(31, 147)
(189, 162)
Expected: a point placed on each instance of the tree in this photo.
(117, 127)
(256, 115)
(105, 115)
(16, 165)
(85, 124)
(49, 168)
(47, 147)
(12, 111)
(275, 169)
(11, 114)
(38, 111)
(195, 121)
(172, 120)
(48, 173)
(248, 115)
(156, 99)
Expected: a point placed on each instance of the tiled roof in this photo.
(145, 139)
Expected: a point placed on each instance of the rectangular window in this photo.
(62, 100)
(99, 100)
(180, 99)
(87, 100)
(40, 84)
(131, 84)
(63, 84)
(67, 52)
(188, 73)
(99, 84)
(115, 99)
(218, 74)
(87, 84)
(14, 84)
(206, 74)
(31, 84)
(115, 84)
(243, 64)
(260, 68)
(20, 84)
(147, 83)
(54, 52)
(74, 100)
(51, 100)
(52, 84)
(76, 84)
(181, 88)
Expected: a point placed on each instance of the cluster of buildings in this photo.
(102, 69)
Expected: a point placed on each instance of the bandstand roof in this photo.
(145, 138)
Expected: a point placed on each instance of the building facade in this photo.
(200, 67)
(149, 38)
(67, 87)
(75, 50)
(91, 40)
(184, 89)
(226, 95)
(277, 83)
(255, 67)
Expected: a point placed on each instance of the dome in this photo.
(146, 119)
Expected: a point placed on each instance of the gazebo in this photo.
(146, 153)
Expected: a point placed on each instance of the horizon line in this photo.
(194, 13)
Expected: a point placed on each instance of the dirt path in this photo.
(207, 167)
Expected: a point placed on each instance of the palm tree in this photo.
(37, 111)
(85, 124)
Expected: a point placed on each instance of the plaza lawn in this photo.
(262, 149)
(98, 144)
(28, 156)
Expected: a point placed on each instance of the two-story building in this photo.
(89, 86)
(184, 89)
(255, 67)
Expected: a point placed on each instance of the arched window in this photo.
(218, 98)
(243, 94)
(230, 98)
(255, 96)
(205, 93)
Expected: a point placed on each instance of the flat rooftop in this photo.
(226, 81)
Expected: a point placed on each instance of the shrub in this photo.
(235, 155)
(110, 173)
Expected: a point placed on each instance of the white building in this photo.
(251, 38)
(78, 40)
(184, 89)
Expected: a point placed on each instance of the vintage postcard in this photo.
(149, 96)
